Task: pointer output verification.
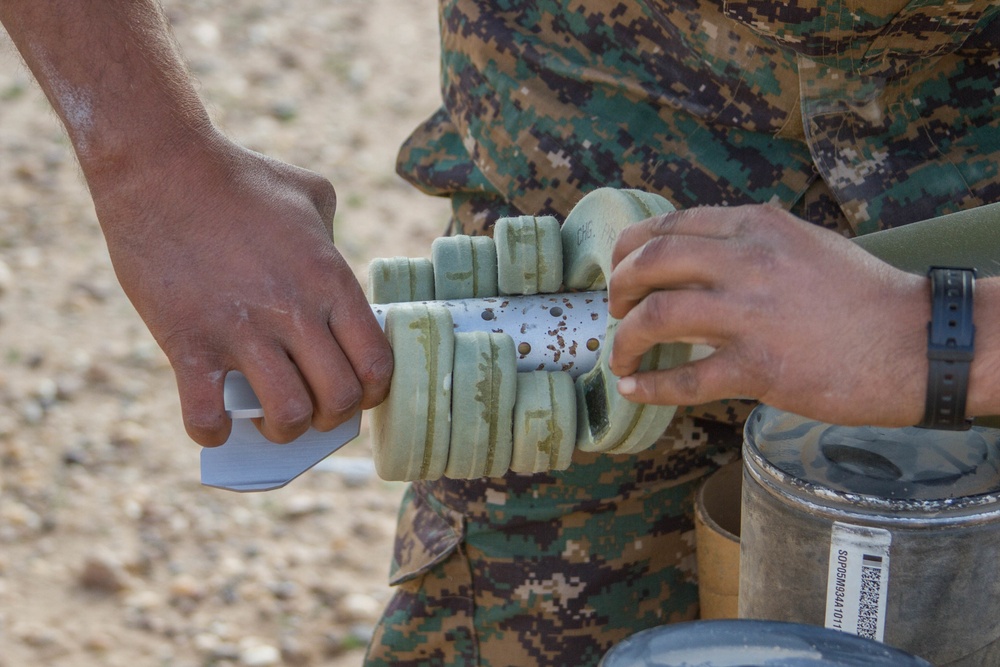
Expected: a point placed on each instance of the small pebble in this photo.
(31, 411)
(129, 435)
(302, 505)
(20, 516)
(260, 655)
(361, 633)
(68, 385)
(99, 643)
(293, 653)
(358, 607)
(358, 74)
(30, 257)
(205, 641)
(103, 573)
(207, 34)
(144, 600)
(38, 637)
(186, 587)
(75, 456)
(46, 392)
(283, 590)
(284, 111)
(225, 651)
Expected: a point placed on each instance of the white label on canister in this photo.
(858, 580)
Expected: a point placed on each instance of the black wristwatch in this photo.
(950, 344)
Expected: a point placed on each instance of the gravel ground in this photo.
(111, 552)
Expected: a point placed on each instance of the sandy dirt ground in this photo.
(111, 552)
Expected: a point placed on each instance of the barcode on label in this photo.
(871, 590)
(858, 580)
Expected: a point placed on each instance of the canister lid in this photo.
(894, 463)
(747, 643)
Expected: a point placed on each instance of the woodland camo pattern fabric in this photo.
(854, 115)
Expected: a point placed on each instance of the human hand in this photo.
(801, 318)
(228, 257)
(226, 254)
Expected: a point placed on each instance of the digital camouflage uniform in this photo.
(854, 115)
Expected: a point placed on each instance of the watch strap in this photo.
(950, 346)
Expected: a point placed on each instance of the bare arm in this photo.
(226, 254)
(802, 319)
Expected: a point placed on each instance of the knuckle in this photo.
(653, 252)
(658, 310)
(378, 369)
(762, 256)
(618, 287)
(324, 198)
(760, 365)
(207, 428)
(627, 238)
(345, 402)
(653, 385)
(687, 381)
(664, 223)
(374, 377)
(289, 420)
(614, 285)
(758, 259)
(751, 219)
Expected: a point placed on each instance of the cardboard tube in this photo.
(717, 536)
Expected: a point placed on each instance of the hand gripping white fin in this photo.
(250, 462)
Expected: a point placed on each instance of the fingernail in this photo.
(626, 386)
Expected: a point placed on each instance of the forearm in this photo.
(112, 73)
(984, 377)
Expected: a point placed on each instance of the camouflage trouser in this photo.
(549, 569)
